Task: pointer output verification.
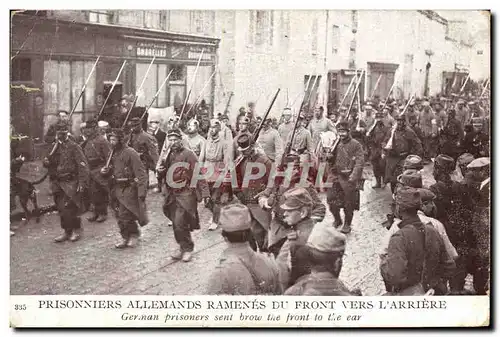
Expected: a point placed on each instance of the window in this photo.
(132, 18)
(314, 37)
(152, 19)
(59, 77)
(178, 74)
(101, 16)
(261, 28)
(335, 39)
(21, 69)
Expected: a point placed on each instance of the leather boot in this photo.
(338, 220)
(122, 244)
(76, 235)
(346, 229)
(63, 237)
(132, 242)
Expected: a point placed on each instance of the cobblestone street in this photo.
(93, 266)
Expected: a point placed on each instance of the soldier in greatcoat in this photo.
(374, 137)
(272, 198)
(451, 136)
(302, 142)
(318, 125)
(240, 270)
(128, 180)
(426, 119)
(181, 201)
(345, 172)
(399, 143)
(248, 190)
(286, 126)
(144, 143)
(69, 179)
(195, 141)
(270, 142)
(96, 149)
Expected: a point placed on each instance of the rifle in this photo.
(256, 133)
(192, 84)
(226, 110)
(108, 162)
(335, 145)
(111, 91)
(56, 144)
(201, 93)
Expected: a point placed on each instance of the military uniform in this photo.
(404, 143)
(317, 126)
(261, 219)
(69, 178)
(451, 137)
(96, 149)
(270, 141)
(129, 183)
(374, 139)
(345, 172)
(196, 143)
(181, 203)
(426, 119)
(145, 144)
(240, 270)
(285, 130)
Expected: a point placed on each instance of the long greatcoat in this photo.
(96, 150)
(405, 142)
(126, 163)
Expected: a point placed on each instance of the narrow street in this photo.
(93, 266)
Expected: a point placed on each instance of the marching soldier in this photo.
(358, 128)
(476, 140)
(51, 135)
(326, 248)
(248, 191)
(346, 171)
(160, 135)
(451, 136)
(226, 133)
(401, 142)
(69, 178)
(103, 128)
(243, 124)
(217, 154)
(195, 141)
(144, 143)
(426, 118)
(129, 180)
(241, 271)
(181, 203)
(462, 113)
(302, 141)
(270, 142)
(318, 125)
(374, 137)
(273, 197)
(96, 149)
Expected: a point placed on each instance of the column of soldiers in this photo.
(277, 240)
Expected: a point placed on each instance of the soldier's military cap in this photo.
(471, 103)
(235, 217)
(90, 124)
(302, 115)
(413, 162)
(479, 162)
(296, 198)
(214, 122)
(224, 117)
(243, 142)
(343, 125)
(408, 198)
(426, 195)
(379, 114)
(174, 133)
(411, 178)
(445, 162)
(368, 106)
(325, 238)
(118, 133)
(343, 108)
(477, 121)
(287, 111)
(465, 159)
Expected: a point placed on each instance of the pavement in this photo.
(93, 266)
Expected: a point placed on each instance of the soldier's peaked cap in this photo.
(102, 124)
(296, 198)
(326, 239)
(465, 159)
(243, 142)
(445, 162)
(479, 162)
(174, 133)
(408, 198)
(235, 217)
(118, 133)
(343, 125)
(413, 162)
(411, 178)
(62, 127)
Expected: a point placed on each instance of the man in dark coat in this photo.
(416, 259)
(451, 136)
(374, 137)
(326, 248)
(144, 143)
(181, 203)
(96, 149)
(346, 168)
(128, 189)
(160, 136)
(476, 140)
(248, 189)
(399, 143)
(69, 178)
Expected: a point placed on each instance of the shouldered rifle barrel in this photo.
(111, 91)
(192, 84)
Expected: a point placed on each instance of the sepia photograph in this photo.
(276, 152)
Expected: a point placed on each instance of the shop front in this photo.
(51, 59)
